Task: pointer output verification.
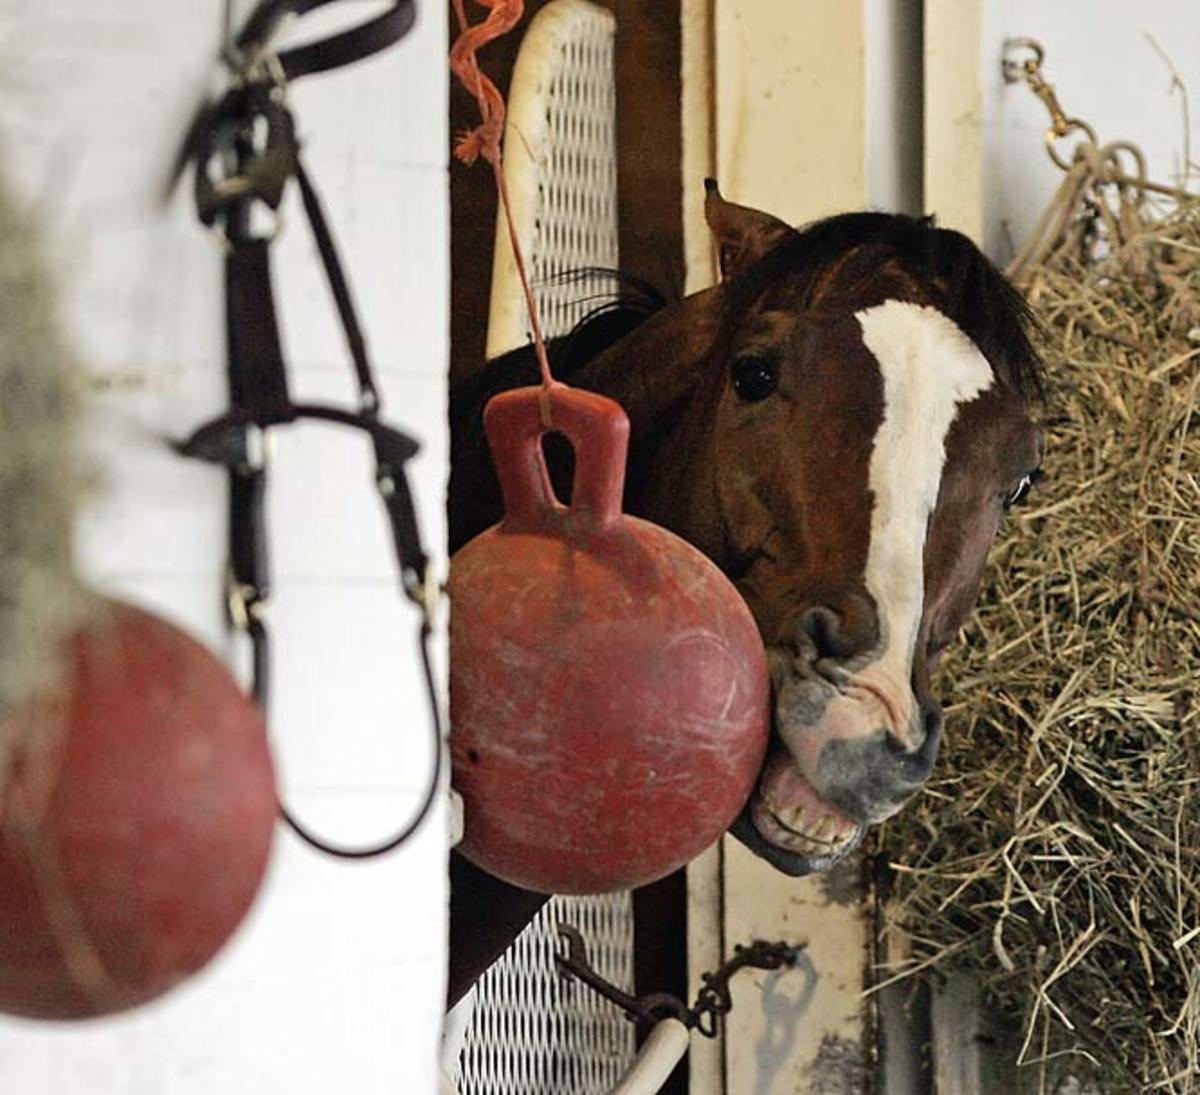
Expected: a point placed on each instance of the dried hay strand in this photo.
(1056, 853)
(40, 599)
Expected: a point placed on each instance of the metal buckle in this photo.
(425, 592)
(252, 128)
(244, 603)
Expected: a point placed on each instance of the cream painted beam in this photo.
(790, 96)
(704, 874)
(954, 115)
(699, 139)
(789, 114)
(805, 1029)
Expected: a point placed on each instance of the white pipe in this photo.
(664, 1049)
(454, 1037)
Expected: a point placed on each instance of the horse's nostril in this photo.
(824, 633)
(818, 628)
(916, 766)
(839, 624)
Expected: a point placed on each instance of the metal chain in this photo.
(713, 1001)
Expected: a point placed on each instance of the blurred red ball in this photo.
(137, 806)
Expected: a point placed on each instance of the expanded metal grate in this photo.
(533, 1032)
(576, 225)
(560, 158)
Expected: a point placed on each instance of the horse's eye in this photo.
(755, 378)
(1018, 495)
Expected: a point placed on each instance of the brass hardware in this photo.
(1030, 70)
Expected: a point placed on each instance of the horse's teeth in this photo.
(819, 833)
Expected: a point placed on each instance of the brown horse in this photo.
(840, 425)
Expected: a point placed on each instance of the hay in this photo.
(1057, 852)
(40, 600)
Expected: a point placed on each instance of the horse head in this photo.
(857, 432)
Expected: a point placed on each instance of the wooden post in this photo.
(954, 115)
(774, 100)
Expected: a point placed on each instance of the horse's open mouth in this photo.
(791, 813)
(791, 826)
(830, 838)
(838, 719)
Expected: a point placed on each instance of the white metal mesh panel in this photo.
(533, 1032)
(576, 225)
(560, 158)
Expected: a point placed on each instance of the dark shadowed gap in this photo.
(649, 150)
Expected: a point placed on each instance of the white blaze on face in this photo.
(929, 369)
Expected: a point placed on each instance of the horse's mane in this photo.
(936, 266)
(635, 301)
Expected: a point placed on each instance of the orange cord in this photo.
(485, 140)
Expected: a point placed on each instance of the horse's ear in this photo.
(743, 234)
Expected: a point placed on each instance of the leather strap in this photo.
(340, 289)
(257, 374)
(337, 50)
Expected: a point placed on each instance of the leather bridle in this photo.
(244, 151)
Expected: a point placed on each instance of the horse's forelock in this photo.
(869, 257)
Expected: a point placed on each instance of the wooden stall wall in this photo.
(783, 131)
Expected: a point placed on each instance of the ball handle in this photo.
(597, 428)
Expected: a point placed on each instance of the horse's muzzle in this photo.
(845, 756)
(802, 824)
(864, 740)
(871, 778)
(855, 735)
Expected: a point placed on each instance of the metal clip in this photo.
(714, 1000)
(647, 1009)
(1030, 70)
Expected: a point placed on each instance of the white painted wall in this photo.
(336, 980)
(1106, 72)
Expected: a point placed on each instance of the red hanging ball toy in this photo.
(608, 686)
(137, 805)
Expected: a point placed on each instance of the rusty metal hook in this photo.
(648, 1009)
